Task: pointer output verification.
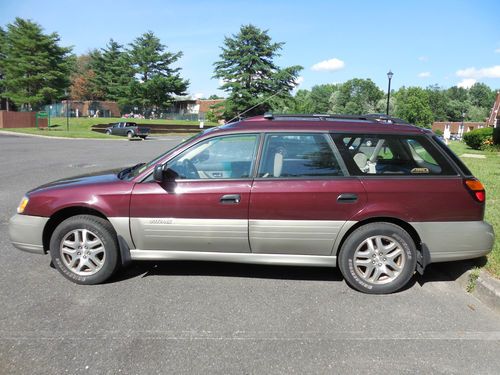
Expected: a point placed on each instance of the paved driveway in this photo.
(176, 317)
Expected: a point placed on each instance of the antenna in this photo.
(256, 105)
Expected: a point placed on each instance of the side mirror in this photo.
(158, 173)
(162, 173)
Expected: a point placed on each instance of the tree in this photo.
(249, 74)
(83, 80)
(457, 93)
(36, 69)
(2, 57)
(438, 102)
(412, 105)
(481, 95)
(156, 80)
(113, 72)
(356, 96)
(320, 97)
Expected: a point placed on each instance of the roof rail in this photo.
(378, 117)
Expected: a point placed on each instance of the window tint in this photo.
(228, 157)
(298, 155)
(391, 155)
(453, 157)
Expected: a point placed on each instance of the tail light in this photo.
(476, 188)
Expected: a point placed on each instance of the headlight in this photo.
(22, 205)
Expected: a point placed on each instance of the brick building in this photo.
(457, 128)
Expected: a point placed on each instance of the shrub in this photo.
(475, 139)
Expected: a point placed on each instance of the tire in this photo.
(143, 136)
(88, 262)
(108, 132)
(130, 135)
(369, 270)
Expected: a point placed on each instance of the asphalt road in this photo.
(175, 317)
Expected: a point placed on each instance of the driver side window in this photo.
(226, 157)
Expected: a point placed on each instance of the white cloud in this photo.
(424, 74)
(198, 95)
(497, 50)
(491, 72)
(329, 65)
(466, 83)
(423, 58)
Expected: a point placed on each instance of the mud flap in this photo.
(423, 258)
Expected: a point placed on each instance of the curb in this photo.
(486, 289)
(56, 137)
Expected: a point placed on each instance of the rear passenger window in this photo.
(298, 155)
(391, 155)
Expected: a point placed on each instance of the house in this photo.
(200, 107)
(495, 113)
(457, 128)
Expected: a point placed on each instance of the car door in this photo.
(301, 197)
(206, 207)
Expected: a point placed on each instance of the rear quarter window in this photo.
(387, 155)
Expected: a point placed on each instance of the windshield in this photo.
(131, 172)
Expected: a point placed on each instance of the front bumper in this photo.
(26, 232)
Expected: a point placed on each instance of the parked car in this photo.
(129, 129)
(289, 190)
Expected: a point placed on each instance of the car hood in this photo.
(95, 178)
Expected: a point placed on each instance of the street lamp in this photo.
(389, 75)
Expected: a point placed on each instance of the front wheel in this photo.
(130, 135)
(84, 249)
(378, 258)
(108, 132)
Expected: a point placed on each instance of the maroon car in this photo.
(378, 198)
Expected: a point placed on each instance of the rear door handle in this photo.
(347, 198)
(230, 199)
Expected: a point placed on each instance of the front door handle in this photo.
(347, 198)
(230, 199)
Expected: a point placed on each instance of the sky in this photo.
(423, 42)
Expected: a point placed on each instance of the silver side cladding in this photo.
(215, 235)
(456, 240)
(26, 232)
(305, 237)
(122, 228)
(269, 259)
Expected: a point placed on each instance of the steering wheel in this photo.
(190, 169)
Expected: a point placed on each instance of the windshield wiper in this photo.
(127, 170)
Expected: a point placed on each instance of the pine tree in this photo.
(113, 73)
(157, 81)
(36, 69)
(249, 74)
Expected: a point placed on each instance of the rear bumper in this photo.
(26, 232)
(456, 240)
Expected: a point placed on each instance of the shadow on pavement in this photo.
(449, 271)
(188, 268)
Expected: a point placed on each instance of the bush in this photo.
(438, 132)
(475, 139)
(496, 135)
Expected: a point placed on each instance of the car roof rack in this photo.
(377, 117)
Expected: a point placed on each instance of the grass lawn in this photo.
(81, 127)
(488, 172)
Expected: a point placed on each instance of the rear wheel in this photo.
(108, 132)
(143, 136)
(378, 258)
(130, 135)
(84, 249)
